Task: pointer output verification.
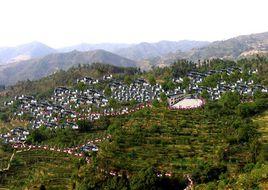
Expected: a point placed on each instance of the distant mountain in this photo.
(24, 52)
(234, 48)
(41, 67)
(139, 51)
(150, 50)
(112, 47)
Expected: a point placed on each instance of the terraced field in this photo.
(174, 141)
(54, 170)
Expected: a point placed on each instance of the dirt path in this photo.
(11, 158)
(8, 165)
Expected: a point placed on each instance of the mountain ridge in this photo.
(26, 51)
(233, 48)
(40, 67)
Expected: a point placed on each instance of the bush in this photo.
(84, 125)
(4, 117)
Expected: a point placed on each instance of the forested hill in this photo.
(41, 67)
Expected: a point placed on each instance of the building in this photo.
(174, 98)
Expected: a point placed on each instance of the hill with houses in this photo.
(98, 120)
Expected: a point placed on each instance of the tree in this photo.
(127, 79)
(42, 187)
(39, 135)
(152, 80)
(168, 85)
(4, 117)
(205, 94)
(155, 103)
(107, 91)
(84, 125)
(6, 147)
(133, 102)
(230, 100)
(145, 179)
(81, 86)
(211, 81)
(163, 97)
(113, 103)
(185, 83)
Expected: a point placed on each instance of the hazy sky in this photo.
(66, 22)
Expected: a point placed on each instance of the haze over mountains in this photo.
(36, 60)
(142, 50)
(24, 52)
(112, 47)
(41, 67)
(135, 52)
(232, 48)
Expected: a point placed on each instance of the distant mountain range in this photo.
(146, 50)
(24, 52)
(112, 47)
(41, 67)
(135, 52)
(36, 60)
(234, 48)
(142, 50)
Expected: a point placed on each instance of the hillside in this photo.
(24, 52)
(221, 145)
(41, 67)
(234, 48)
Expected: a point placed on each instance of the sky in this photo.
(60, 23)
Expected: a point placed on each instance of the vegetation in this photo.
(220, 146)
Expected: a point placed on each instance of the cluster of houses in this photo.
(140, 91)
(15, 135)
(89, 80)
(196, 87)
(66, 106)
